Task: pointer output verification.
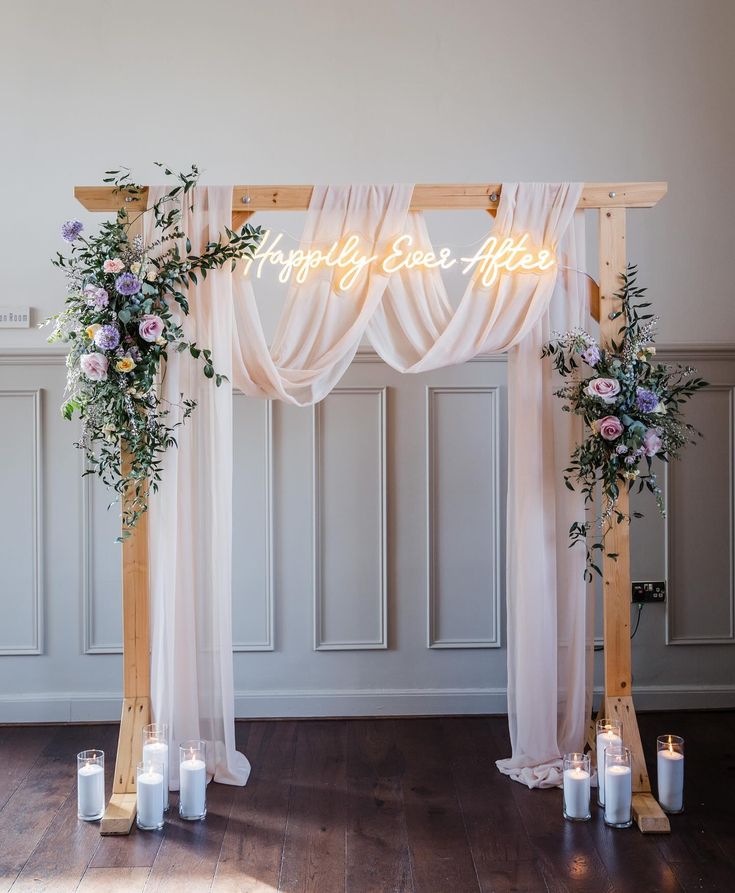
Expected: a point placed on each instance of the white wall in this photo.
(380, 91)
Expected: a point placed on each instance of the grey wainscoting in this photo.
(368, 558)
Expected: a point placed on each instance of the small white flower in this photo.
(135, 268)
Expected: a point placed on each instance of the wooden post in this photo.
(136, 712)
(618, 703)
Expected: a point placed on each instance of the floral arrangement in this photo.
(121, 319)
(632, 408)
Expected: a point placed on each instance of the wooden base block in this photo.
(649, 816)
(119, 815)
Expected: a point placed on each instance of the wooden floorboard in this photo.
(45, 790)
(376, 847)
(367, 806)
(63, 853)
(314, 841)
(20, 747)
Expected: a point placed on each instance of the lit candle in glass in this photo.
(149, 789)
(609, 731)
(618, 771)
(90, 785)
(155, 750)
(193, 780)
(577, 787)
(670, 765)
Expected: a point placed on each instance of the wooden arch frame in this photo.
(611, 200)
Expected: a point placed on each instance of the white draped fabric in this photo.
(411, 323)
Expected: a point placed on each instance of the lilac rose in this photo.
(605, 389)
(609, 428)
(652, 442)
(151, 327)
(94, 366)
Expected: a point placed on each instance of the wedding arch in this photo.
(409, 321)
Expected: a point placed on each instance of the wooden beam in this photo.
(616, 572)
(426, 197)
(136, 713)
(618, 703)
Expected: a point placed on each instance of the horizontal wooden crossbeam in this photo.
(432, 197)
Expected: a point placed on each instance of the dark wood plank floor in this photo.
(366, 806)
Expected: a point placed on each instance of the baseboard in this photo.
(105, 707)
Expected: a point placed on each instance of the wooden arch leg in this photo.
(120, 813)
(618, 703)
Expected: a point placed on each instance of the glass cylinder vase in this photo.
(618, 769)
(90, 785)
(149, 788)
(155, 750)
(193, 780)
(577, 787)
(607, 732)
(670, 766)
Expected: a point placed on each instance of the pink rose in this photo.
(150, 327)
(652, 442)
(605, 389)
(113, 265)
(94, 366)
(609, 428)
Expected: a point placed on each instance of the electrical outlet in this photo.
(649, 592)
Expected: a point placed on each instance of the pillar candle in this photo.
(576, 793)
(604, 739)
(90, 791)
(618, 794)
(157, 752)
(150, 798)
(192, 788)
(671, 780)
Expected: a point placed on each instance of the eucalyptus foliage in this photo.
(632, 408)
(121, 318)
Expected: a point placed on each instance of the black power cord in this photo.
(635, 627)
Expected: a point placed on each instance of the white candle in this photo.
(604, 739)
(150, 798)
(90, 791)
(577, 793)
(671, 780)
(618, 794)
(157, 752)
(192, 788)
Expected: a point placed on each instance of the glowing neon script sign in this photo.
(349, 260)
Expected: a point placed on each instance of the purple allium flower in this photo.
(645, 400)
(71, 230)
(128, 284)
(621, 449)
(107, 337)
(591, 355)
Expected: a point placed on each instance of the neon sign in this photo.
(349, 260)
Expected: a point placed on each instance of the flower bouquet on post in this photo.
(120, 320)
(632, 407)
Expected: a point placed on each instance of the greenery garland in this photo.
(121, 320)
